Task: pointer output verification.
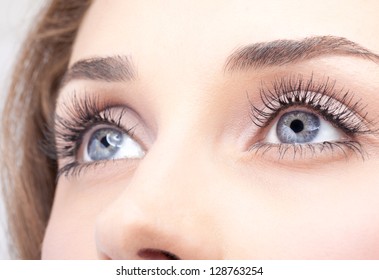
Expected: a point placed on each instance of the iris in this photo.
(104, 143)
(298, 127)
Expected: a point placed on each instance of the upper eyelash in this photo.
(337, 107)
(65, 135)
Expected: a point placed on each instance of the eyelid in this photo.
(76, 118)
(339, 107)
(330, 109)
(75, 125)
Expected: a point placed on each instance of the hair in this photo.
(28, 174)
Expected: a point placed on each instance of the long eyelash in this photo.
(339, 107)
(64, 137)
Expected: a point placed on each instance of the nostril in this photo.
(156, 254)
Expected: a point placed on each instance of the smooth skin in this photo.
(199, 193)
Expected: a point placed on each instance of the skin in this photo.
(199, 192)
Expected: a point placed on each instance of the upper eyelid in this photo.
(70, 132)
(341, 104)
(77, 116)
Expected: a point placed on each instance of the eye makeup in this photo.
(288, 95)
(80, 118)
(82, 115)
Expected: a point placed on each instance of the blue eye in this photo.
(301, 127)
(298, 127)
(110, 143)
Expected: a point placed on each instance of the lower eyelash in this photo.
(75, 169)
(309, 150)
(336, 107)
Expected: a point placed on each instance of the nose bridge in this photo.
(165, 206)
(173, 173)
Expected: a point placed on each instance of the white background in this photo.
(15, 19)
(271, 270)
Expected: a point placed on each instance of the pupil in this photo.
(105, 142)
(297, 126)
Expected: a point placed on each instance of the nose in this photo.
(164, 212)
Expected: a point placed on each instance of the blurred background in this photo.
(15, 19)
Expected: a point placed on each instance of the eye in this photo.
(302, 127)
(108, 143)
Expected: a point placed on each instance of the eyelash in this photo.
(336, 107)
(82, 115)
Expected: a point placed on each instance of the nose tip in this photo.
(166, 210)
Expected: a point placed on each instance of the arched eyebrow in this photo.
(282, 52)
(259, 55)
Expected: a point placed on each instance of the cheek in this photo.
(69, 238)
(343, 218)
(70, 231)
(329, 215)
(258, 214)
(340, 227)
(353, 217)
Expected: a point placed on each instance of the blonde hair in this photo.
(28, 174)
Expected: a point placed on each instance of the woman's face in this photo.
(219, 130)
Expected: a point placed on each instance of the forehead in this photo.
(197, 31)
(189, 35)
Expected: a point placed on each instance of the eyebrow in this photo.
(259, 55)
(110, 69)
(282, 52)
